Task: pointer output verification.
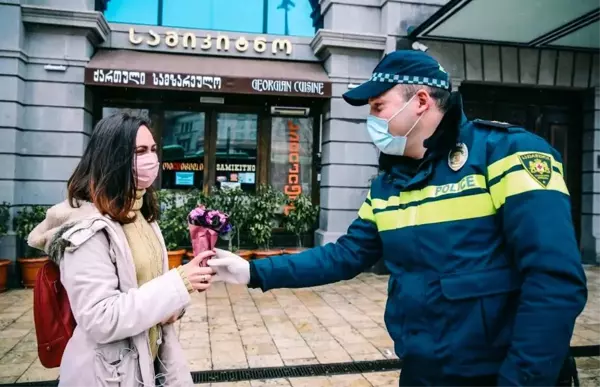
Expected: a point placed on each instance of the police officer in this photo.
(473, 220)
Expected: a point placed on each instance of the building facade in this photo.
(228, 91)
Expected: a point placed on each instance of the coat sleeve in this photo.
(526, 182)
(354, 252)
(101, 309)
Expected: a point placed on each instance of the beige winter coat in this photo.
(110, 344)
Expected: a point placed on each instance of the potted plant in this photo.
(173, 225)
(4, 263)
(25, 221)
(264, 206)
(300, 219)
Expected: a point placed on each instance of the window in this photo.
(225, 15)
(286, 17)
(280, 17)
(107, 111)
(144, 113)
(183, 150)
(132, 11)
(291, 155)
(236, 151)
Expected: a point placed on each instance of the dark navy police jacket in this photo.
(486, 275)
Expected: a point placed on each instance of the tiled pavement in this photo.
(231, 327)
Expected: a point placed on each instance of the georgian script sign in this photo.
(293, 187)
(180, 166)
(189, 41)
(155, 79)
(205, 83)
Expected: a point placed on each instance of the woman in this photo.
(112, 261)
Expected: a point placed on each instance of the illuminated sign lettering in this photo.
(222, 42)
(178, 166)
(293, 188)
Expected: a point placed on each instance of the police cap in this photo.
(408, 67)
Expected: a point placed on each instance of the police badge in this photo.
(458, 156)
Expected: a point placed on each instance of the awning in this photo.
(570, 24)
(126, 68)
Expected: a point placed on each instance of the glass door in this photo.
(183, 150)
(291, 168)
(236, 151)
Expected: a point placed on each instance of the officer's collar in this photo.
(443, 139)
(445, 136)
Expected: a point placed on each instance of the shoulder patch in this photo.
(538, 165)
(494, 124)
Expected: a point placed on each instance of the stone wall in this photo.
(45, 109)
(590, 217)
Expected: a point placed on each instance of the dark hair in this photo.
(440, 96)
(104, 175)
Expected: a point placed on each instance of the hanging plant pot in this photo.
(294, 250)
(4, 265)
(246, 254)
(29, 270)
(258, 254)
(175, 258)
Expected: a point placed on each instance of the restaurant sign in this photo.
(181, 166)
(205, 82)
(293, 186)
(222, 42)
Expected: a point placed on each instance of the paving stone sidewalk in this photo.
(231, 327)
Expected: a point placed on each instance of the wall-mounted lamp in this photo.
(59, 68)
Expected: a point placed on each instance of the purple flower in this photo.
(196, 215)
(226, 229)
(213, 219)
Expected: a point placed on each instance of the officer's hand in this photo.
(230, 268)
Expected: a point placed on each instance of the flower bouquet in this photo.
(205, 227)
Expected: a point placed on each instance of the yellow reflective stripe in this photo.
(365, 212)
(503, 165)
(518, 182)
(433, 191)
(445, 210)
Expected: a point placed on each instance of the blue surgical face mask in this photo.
(380, 134)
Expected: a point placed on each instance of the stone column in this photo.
(349, 159)
(13, 69)
(590, 217)
(58, 107)
(46, 118)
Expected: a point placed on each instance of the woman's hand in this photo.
(174, 318)
(199, 277)
(171, 320)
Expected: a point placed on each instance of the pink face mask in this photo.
(146, 170)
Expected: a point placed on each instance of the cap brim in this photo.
(360, 95)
